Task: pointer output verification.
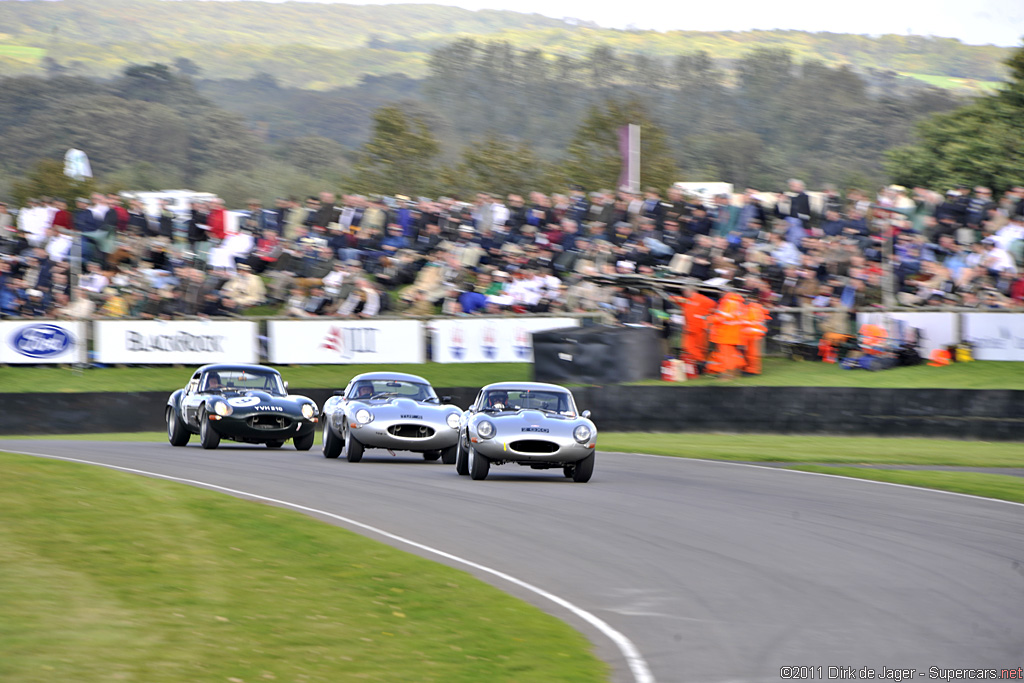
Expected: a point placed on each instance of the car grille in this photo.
(411, 431)
(269, 422)
(533, 446)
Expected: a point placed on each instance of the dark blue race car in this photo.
(246, 403)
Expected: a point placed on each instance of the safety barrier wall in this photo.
(950, 413)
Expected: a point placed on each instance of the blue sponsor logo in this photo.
(41, 341)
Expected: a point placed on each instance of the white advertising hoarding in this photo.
(995, 336)
(938, 330)
(41, 341)
(327, 341)
(188, 342)
(490, 340)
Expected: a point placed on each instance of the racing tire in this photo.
(479, 465)
(584, 469)
(304, 442)
(568, 470)
(431, 456)
(353, 449)
(275, 444)
(332, 445)
(448, 455)
(177, 432)
(208, 436)
(461, 460)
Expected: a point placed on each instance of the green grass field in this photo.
(777, 372)
(168, 378)
(109, 576)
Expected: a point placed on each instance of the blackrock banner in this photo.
(995, 336)
(41, 341)
(188, 342)
(332, 342)
(490, 340)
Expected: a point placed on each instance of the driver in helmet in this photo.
(213, 382)
(497, 399)
(363, 391)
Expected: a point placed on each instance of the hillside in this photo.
(326, 46)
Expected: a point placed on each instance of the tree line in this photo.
(493, 117)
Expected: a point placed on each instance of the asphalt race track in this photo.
(716, 572)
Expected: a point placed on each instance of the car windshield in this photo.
(530, 399)
(365, 389)
(243, 380)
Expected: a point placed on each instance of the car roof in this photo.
(221, 367)
(391, 375)
(519, 386)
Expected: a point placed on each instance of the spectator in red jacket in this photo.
(217, 220)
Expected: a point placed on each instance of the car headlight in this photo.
(222, 408)
(308, 411)
(485, 429)
(581, 433)
(363, 416)
(452, 420)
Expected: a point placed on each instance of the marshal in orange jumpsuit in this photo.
(696, 309)
(754, 329)
(727, 334)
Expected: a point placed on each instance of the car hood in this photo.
(245, 402)
(406, 408)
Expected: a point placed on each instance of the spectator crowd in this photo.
(355, 256)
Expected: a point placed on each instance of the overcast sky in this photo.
(978, 22)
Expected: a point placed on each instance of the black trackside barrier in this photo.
(990, 415)
(599, 354)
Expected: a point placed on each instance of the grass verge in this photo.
(23, 380)
(818, 449)
(777, 372)
(1000, 486)
(782, 372)
(109, 576)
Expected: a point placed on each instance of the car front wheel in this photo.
(275, 444)
(479, 465)
(208, 437)
(462, 458)
(304, 442)
(332, 445)
(353, 449)
(448, 455)
(584, 469)
(177, 432)
(431, 456)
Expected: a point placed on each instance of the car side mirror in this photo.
(586, 414)
(286, 384)
(446, 399)
(338, 392)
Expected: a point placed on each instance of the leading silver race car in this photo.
(390, 410)
(528, 423)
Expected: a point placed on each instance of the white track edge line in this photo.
(638, 666)
(827, 474)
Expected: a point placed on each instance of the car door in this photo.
(191, 401)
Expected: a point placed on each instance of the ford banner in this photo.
(188, 342)
(41, 341)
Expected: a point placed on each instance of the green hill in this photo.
(325, 46)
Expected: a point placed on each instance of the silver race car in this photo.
(526, 423)
(390, 410)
